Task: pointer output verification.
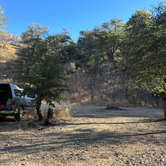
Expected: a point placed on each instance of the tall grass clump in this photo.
(62, 113)
(30, 114)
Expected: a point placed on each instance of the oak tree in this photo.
(144, 50)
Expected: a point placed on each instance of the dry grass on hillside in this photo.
(9, 53)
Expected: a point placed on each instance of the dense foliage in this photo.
(101, 44)
(3, 18)
(39, 66)
(144, 50)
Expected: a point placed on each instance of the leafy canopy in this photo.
(39, 66)
(144, 50)
(101, 44)
(3, 33)
(110, 35)
(3, 18)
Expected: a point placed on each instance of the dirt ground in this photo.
(93, 136)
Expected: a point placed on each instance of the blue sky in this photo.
(74, 15)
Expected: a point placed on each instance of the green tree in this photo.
(3, 33)
(65, 45)
(143, 54)
(39, 67)
(87, 46)
(101, 44)
(3, 18)
(87, 43)
(15, 39)
(110, 36)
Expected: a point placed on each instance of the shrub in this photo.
(92, 64)
(72, 67)
(62, 113)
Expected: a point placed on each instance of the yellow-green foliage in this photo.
(72, 67)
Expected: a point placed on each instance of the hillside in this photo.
(106, 88)
(8, 53)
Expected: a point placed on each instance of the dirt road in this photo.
(93, 136)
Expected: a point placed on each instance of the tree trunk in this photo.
(110, 55)
(39, 111)
(164, 104)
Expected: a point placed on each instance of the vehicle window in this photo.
(17, 91)
(31, 96)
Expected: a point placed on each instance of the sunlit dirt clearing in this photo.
(93, 136)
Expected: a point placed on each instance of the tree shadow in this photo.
(81, 138)
(89, 137)
(7, 119)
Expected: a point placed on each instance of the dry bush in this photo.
(62, 113)
(31, 114)
(27, 121)
(30, 119)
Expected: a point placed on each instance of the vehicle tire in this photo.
(18, 114)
